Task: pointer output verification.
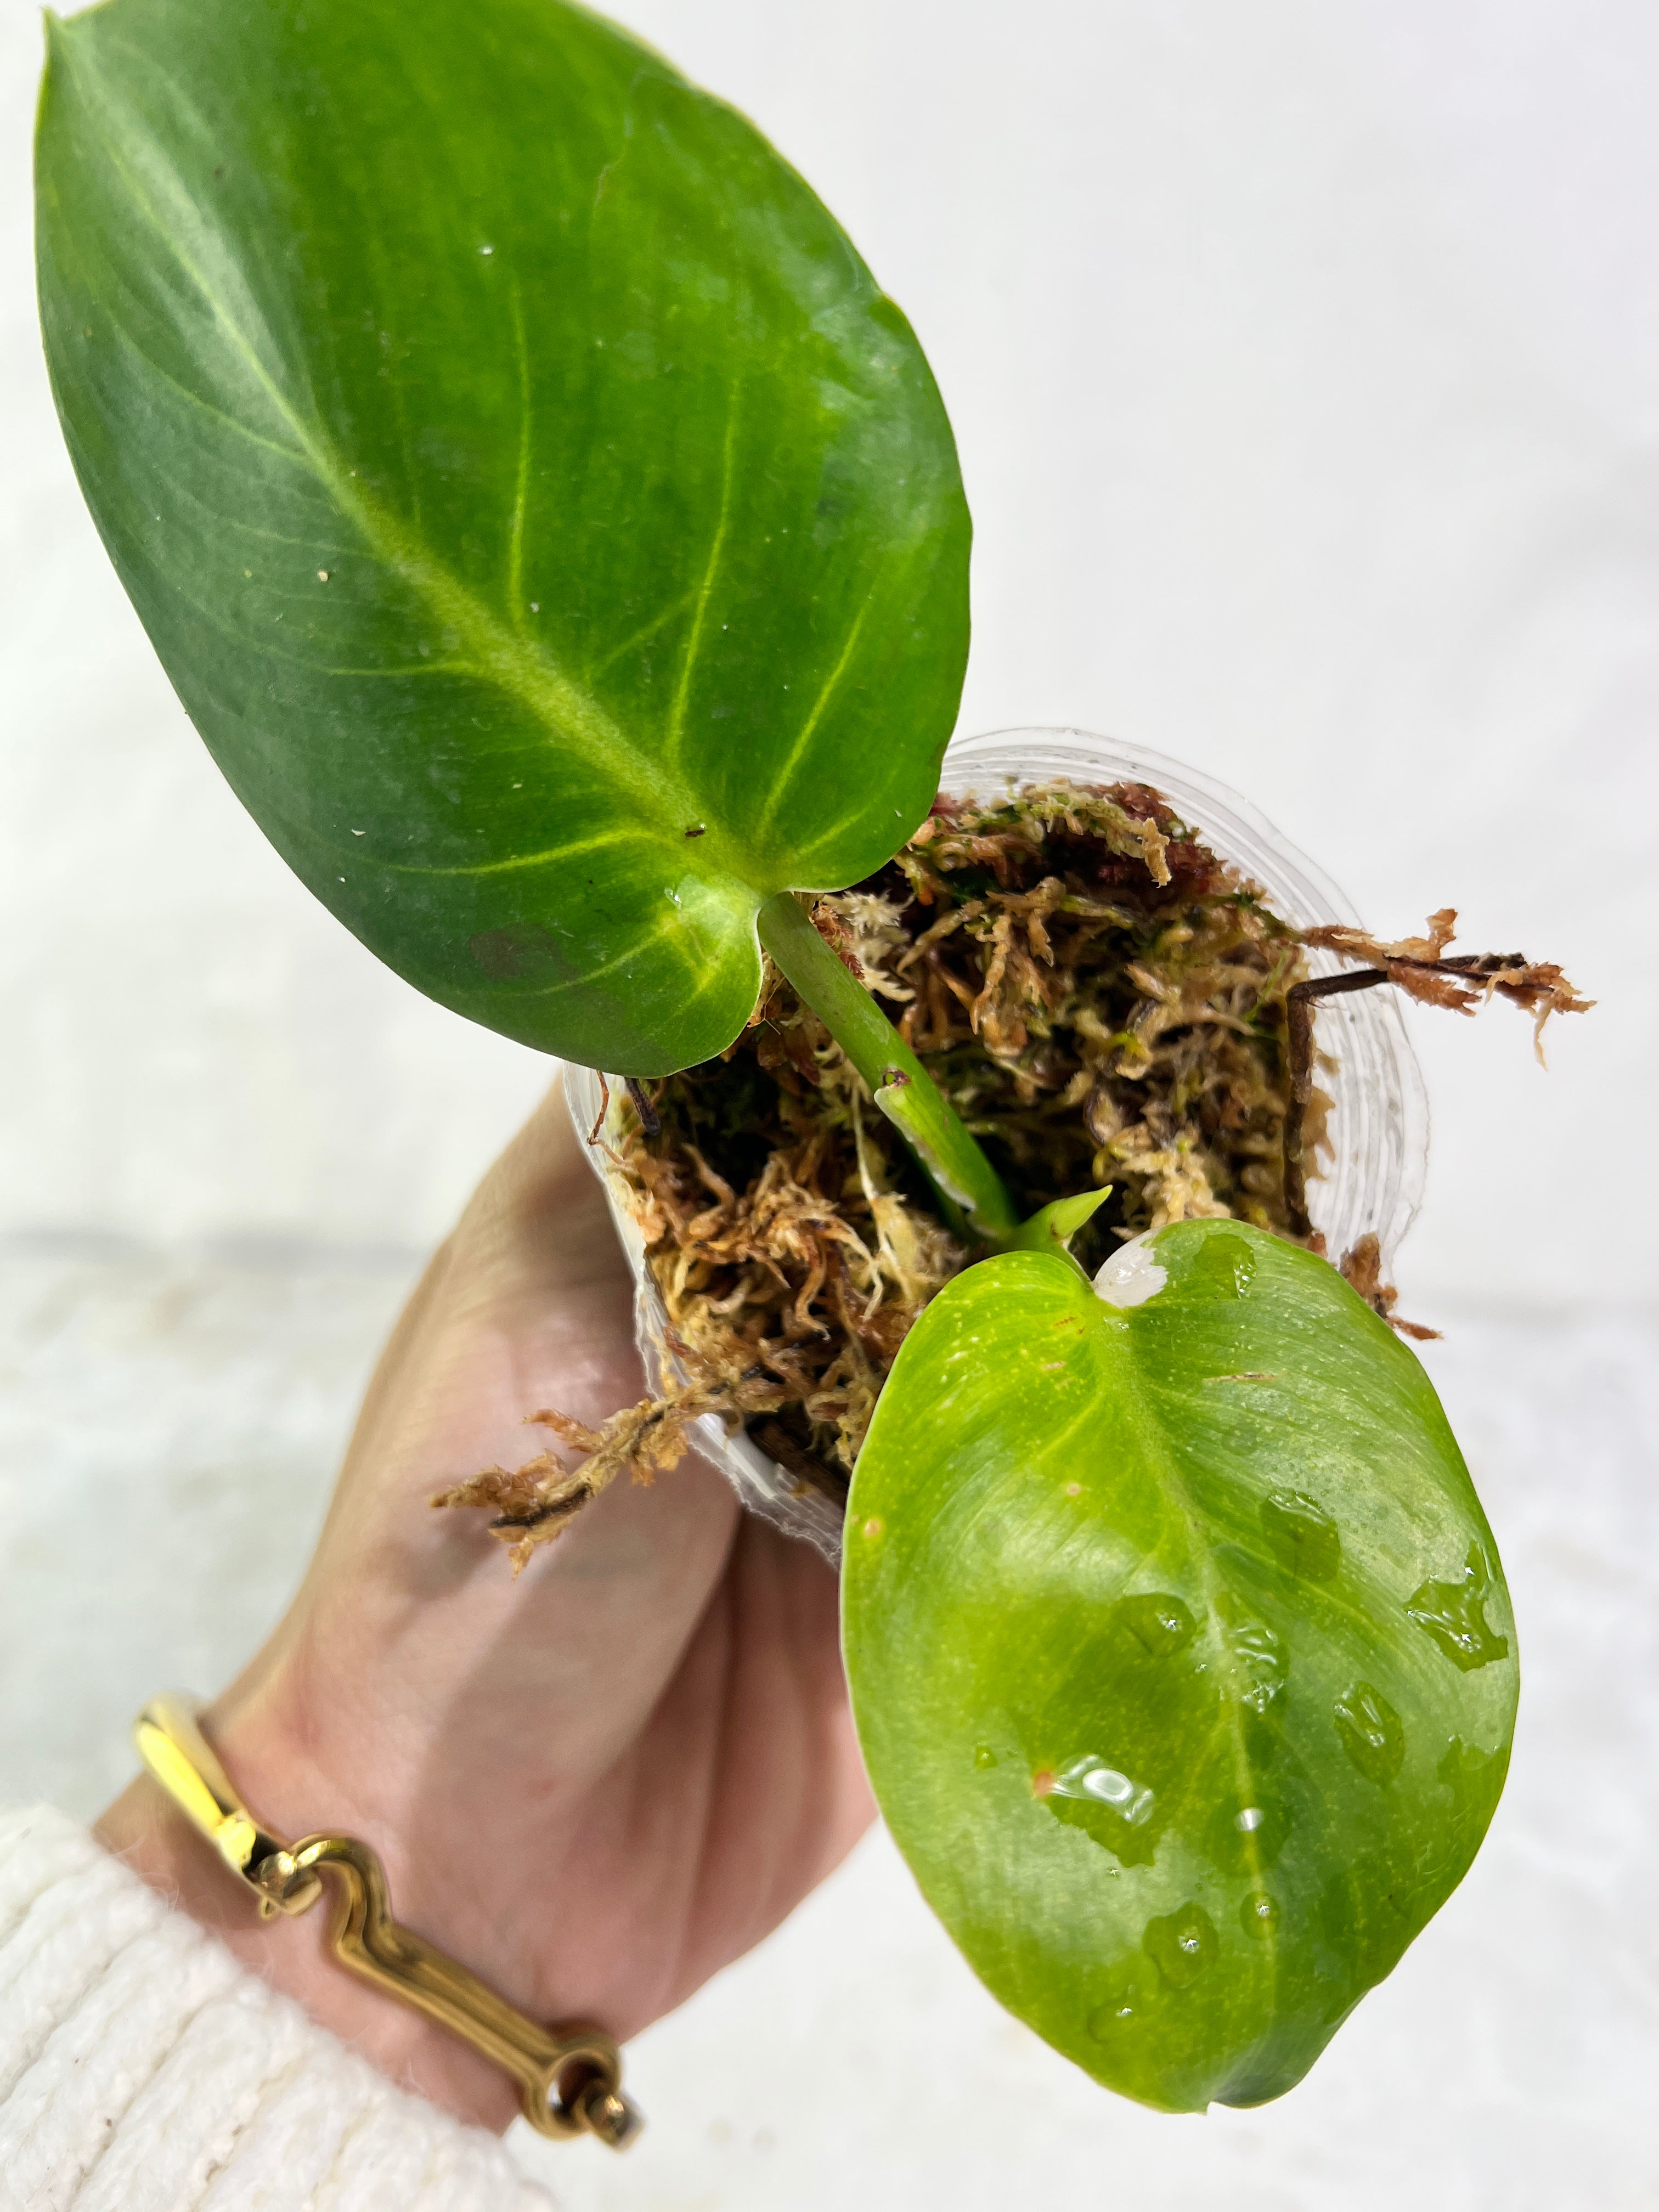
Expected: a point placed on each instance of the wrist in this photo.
(145, 1830)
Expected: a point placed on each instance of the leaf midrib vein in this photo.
(621, 835)
(527, 672)
(1150, 1433)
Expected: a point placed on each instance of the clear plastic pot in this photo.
(1377, 1129)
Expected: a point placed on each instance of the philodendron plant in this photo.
(557, 537)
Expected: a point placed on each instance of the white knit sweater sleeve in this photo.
(142, 2069)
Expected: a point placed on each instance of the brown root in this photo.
(1464, 981)
(533, 1504)
(1362, 1270)
(1461, 984)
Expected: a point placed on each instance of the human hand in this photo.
(594, 1785)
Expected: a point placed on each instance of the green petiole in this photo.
(967, 1183)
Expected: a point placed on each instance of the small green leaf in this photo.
(1052, 1229)
(1180, 1651)
(551, 528)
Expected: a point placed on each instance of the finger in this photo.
(530, 1305)
(396, 1354)
(540, 1218)
(529, 1302)
(512, 1228)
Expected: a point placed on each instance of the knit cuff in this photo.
(142, 2069)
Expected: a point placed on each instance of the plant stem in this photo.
(964, 1179)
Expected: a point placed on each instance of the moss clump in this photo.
(1103, 1001)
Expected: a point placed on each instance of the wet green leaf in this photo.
(549, 524)
(1180, 1650)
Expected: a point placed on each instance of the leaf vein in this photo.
(705, 590)
(622, 835)
(527, 672)
(786, 772)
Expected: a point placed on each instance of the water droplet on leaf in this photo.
(1476, 1779)
(1181, 1945)
(1224, 1268)
(1133, 1995)
(1259, 1656)
(1372, 1733)
(1454, 1616)
(1302, 1535)
(1259, 1914)
(1159, 1623)
(1091, 1777)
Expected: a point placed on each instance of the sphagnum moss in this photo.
(1104, 1002)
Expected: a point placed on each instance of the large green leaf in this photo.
(1180, 1651)
(551, 528)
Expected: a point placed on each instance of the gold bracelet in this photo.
(570, 2078)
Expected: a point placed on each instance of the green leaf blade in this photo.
(552, 530)
(1129, 1621)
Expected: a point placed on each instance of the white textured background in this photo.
(1305, 366)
